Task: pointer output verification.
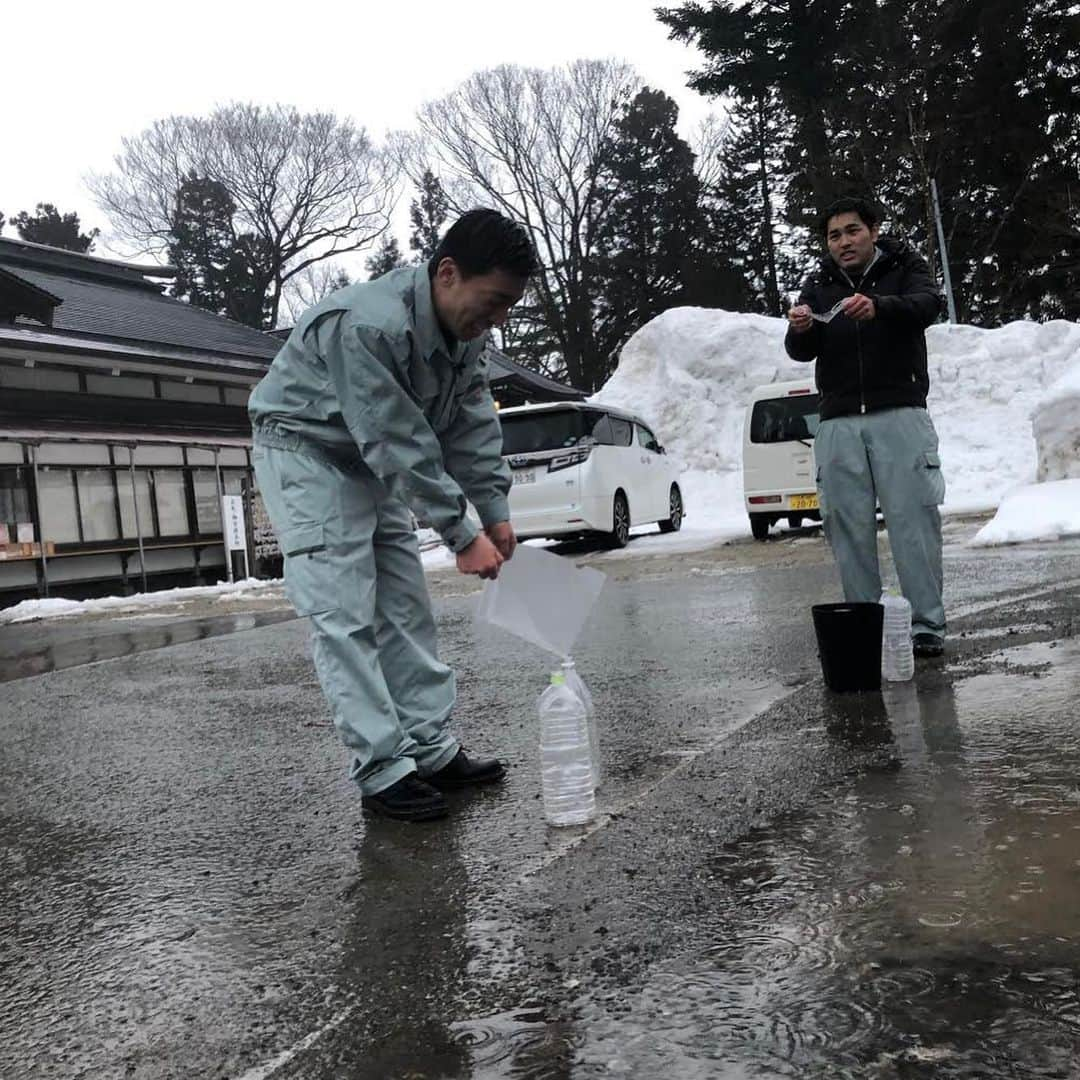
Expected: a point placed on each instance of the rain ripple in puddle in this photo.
(521, 1044)
(862, 941)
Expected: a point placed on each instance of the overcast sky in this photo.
(80, 76)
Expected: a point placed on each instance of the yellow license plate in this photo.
(804, 502)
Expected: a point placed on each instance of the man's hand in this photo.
(501, 534)
(859, 307)
(480, 557)
(800, 318)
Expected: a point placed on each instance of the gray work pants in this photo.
(890, 456)
(352, 564)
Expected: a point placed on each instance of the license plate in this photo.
(804, 502)
(524, 476)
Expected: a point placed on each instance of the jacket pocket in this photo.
(933, 479)
(309, 577)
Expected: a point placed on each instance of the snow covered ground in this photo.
(141, 602)
(1006, 404)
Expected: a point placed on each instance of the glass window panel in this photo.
(171, 503)
(128, 503)
(97, 504)
(207, 507)
(622, 431)
(232, 480)
(56, 503)
(14, 496)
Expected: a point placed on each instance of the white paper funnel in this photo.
(542, 598)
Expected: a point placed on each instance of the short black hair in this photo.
(850, 204)
(484, 240)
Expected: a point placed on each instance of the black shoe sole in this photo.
(475, 781)
(428, 813)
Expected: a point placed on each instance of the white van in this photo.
(778, 455)
(581, 468)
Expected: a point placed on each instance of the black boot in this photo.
(410, 799)
(926, 645)
(462, 771)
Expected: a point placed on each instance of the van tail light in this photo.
(757, 500)
(576, 456)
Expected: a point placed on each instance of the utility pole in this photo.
(944, 252)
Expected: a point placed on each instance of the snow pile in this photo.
(54, 608)
(1035, 512)
(1057, 430)
(690, 371)
(985, 388)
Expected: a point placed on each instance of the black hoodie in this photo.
(879, 363)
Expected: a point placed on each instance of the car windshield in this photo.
(526, 433)
(784, 419)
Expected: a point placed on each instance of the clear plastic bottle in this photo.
(577, 684)
(566, 768)
(897, 657)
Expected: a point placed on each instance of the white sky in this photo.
(89, 74)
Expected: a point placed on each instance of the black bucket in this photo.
(849, 644)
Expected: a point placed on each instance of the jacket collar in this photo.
(429, 334)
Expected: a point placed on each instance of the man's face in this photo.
(850, 240)
(470, 306)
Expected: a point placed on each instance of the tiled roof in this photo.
(501, 367)
(118, 303)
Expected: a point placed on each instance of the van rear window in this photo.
(784, 419)
(527, 433)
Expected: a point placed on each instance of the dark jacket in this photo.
(879, 363)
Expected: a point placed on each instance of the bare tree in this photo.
(308, 186)
(708, 140)
(530, 143)
(312, 284)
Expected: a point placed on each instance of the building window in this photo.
(97, 504)
(207, 506)
(14, 501)
(129, 501)
(171, 501)
(57, 505)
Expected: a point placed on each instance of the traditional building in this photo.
(123, 422)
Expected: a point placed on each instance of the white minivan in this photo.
(779, 474)
(585, 468)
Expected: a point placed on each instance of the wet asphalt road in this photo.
(782, 883)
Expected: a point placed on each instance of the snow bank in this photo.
(1057, 429)
(690, 372)
(1047, 511)
(58, 608)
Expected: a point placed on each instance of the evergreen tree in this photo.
(387, 257)
(427, 214)
(47, 226)
(651, 248)
(885, 97)
(216, 269)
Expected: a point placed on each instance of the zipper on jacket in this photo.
(858, 349)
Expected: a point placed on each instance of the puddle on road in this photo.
(94, 647)
(924, 922)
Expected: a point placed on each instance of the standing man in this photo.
(378, 405)
(876, 444)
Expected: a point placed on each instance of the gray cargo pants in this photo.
(891, 456)
(352, 565)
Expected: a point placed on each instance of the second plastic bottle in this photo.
(566, 766)
(897, 658)
(577, 684)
